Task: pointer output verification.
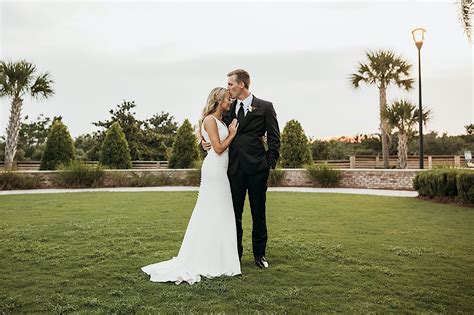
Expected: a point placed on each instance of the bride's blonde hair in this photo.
(216, 96)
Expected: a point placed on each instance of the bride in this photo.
(209, 247)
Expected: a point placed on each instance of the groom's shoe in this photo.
(261, 262)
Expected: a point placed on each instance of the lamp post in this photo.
(418, 37)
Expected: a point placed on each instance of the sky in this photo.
(167, 56)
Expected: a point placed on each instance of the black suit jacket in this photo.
(247, 149)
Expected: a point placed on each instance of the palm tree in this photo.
(383, 69)
(18, 79)
(466, 11)
(469, 129)
(403, 115)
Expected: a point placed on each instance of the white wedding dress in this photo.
(209, 247)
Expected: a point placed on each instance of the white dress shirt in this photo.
(247, 102)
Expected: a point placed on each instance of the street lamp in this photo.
(418, 37)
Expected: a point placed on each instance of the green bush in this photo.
(115, 152)
(295, 149)
(422, 184)
(185, 152)
(446, 182)
(465, 186)
(324, 174)
(59, 147)
(77, 174)
(10, 180)
(276, 176)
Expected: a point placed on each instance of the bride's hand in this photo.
(233, 127)
(205, 145)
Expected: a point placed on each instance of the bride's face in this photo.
(226, 102)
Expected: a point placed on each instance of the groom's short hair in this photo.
(241, 76)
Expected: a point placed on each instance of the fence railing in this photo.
(35, 165)
(354, 162)
(413, 161)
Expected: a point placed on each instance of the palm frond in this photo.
(466, 10)
(42, 87)
(18, 78)
(403, 115)
(407, 84)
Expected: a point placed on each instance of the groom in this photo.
(249, 161)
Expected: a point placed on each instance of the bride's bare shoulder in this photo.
(209, 123)
(209, 120)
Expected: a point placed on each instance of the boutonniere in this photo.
(251, 108)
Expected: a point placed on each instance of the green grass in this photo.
(82, 252)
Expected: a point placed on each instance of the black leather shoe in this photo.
(261, 262)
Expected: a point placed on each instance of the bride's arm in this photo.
(210, 125)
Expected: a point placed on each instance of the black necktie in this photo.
(240, 113)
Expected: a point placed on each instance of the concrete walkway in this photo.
(375, 192)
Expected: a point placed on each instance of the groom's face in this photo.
(235, 89)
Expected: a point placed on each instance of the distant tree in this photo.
(295, 150)
(32, 137)
(59, 147)
(383, 69)
(17, 80)
(404, 116)
(185, 151)
(115, 152)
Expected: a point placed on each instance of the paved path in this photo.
(376, 192)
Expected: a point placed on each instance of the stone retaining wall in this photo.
(395, 179)
(359, 178)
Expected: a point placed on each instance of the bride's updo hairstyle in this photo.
(213, 100)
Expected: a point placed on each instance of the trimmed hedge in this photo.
(465, 183)
(453, 183)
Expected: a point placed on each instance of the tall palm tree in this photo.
(18, 79)
(383, 69)
(403, 115)
(466, 10)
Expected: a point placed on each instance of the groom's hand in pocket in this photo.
(205, 145)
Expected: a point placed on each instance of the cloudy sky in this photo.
(167, 56)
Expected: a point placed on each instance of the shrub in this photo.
(10, 180)
(59, 147)
(295, 149)
(185, 152)
(77, 174)
(465, 186)
(324, 174)
(276, 177)
(115, 152)
(446, 182)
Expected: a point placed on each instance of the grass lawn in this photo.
(82, 252)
